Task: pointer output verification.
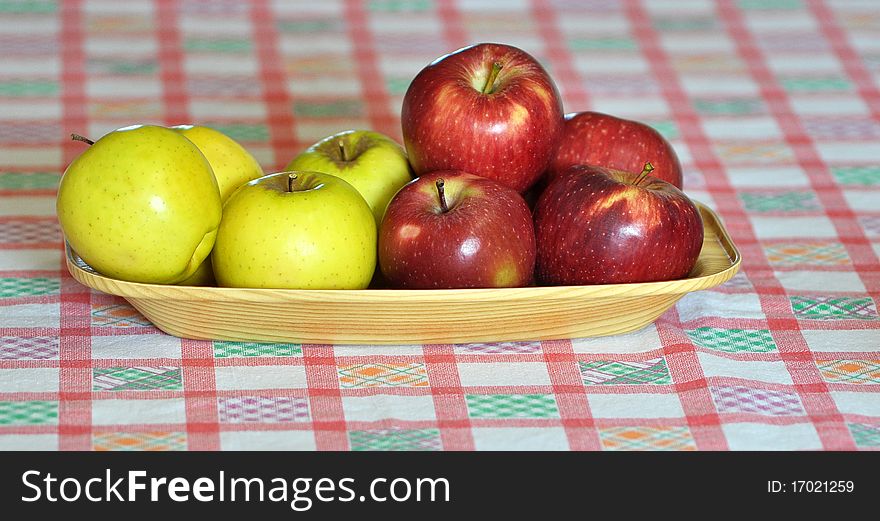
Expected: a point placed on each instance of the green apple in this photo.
(298, 230)
(371, 162)
(141, 204)
(232, 164)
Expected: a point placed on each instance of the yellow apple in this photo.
(232, 164)
(297, 230)
(371, 162)
(203, 276)
(141, 204)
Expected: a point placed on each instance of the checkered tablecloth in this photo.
(773, 107)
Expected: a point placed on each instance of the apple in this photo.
(593, 138)
(597, 225)
(296, 230)
(203, 276)
(231, 163)
(452, 229)
(140, 204)
(488, 109)
(373, 163)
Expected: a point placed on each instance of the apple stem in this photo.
(342, 150)
(490, 81)
(290, 179)
(77, 137)
(648, 168)
(442, 193)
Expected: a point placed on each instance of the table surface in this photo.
(773, 107)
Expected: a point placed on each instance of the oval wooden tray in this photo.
(389, 316)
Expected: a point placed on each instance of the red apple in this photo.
(593, 138)
(488, 109)
(452, 229)
(597, 225)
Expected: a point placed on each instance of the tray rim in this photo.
(139, 290)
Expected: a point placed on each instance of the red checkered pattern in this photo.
(773, 107)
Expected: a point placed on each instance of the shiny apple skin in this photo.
(593, 138)
(594, 226)
(486, 238)
(508, 135)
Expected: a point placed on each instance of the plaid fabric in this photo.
(773, 106)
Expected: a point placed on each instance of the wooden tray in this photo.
(389, 316)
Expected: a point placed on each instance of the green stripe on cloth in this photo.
(226, 45)
(224, 349)
(731, 106)
(21, 88)
(810, 84)
(28, 6)
(136, 379)
(512, 406)
(684, 23)
(733, 340)
(324, 109)
(610, 372)
(307, 26)
(29, 180)
(602, 44)
(12, 287)
(781, 202)
(126, 68)
(394, 439)
(864, 434)
(868, 175)
(397, 85)
(33, 412)
(833, 308)
(242, 131)
(396, 6)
